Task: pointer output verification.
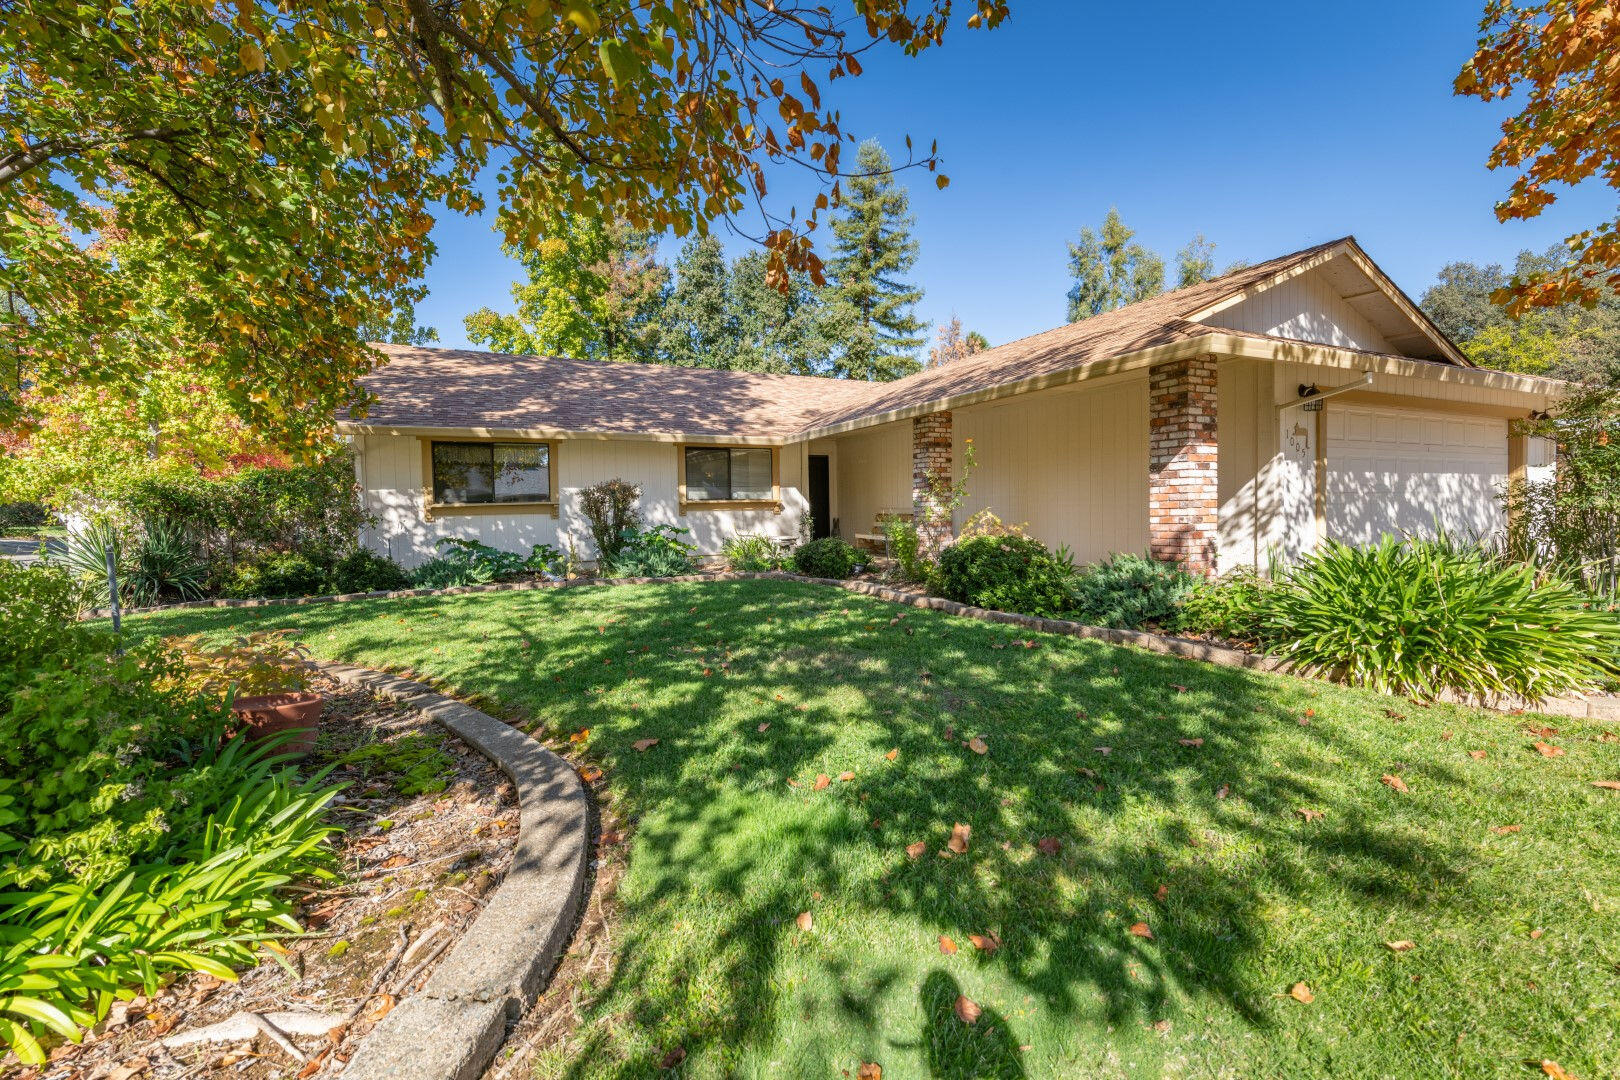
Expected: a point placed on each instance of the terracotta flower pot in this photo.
(271, 714)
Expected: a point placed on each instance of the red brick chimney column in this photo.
(1183, 496)
(930, 475)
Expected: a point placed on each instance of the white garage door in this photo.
(1402, 472)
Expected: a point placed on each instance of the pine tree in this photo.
(776, 330)
(696, 323)
(1111, 270)
(869, 301)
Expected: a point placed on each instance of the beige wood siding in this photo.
(390, 471)
(873, 475)
(1305, 308)
(1070, 463)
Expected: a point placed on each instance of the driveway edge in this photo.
(452, 1028)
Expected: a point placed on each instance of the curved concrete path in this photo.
(452, 1027)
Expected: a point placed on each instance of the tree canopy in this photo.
(1110, 269)
(1555, 59)
(269, 169)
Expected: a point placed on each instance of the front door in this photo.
(820, 497)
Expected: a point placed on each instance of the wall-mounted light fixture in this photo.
(1311, 396)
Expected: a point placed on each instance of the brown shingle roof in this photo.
(421, 387)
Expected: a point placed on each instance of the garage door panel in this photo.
(1407, 472)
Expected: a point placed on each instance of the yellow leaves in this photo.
(250, 56)
(1301, 992)
(583, 16)
(1400, 946)
(966, 1009)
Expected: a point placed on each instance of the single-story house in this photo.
(1219, 424)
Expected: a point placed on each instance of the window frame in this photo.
(432, 508)
(773, 504)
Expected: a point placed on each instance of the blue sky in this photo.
(1268, 127)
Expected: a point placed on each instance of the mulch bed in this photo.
(415, 870)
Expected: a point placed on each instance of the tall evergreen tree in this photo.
(1195, 263)
(1111, 270)
(696, 329)
(594, 292)
(870, 304)
(776, 330)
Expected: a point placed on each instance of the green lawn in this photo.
(1517, 935)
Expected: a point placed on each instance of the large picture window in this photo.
(729, 474)
(491, 472)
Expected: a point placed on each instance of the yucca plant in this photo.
(86, 558)
(1422, 616)
(164, 564)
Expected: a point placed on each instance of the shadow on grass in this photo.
(1094, 745)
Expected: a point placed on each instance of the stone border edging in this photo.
(1599, 707)
(452, 1028)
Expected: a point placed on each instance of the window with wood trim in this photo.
(730, 473)
(473, 473)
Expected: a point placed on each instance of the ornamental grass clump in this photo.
(1420, 617)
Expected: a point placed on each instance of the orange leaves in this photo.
(1395, 783)
(805, 921)
(892, 754)
(1049, 845)
(986, 943)
(915, 851)
(1607, 785)
(1310, 813)
(978, 745)
(822, 780)
(1505, 830)
(947, 947)
(1551, 1069)
(1141, 930)
(643, 745)
(869, 1070)
(1478, 755)
(847, 775)
(1548, 749)
(1301, 992)
(590, 774)
(580, 736)
(960, 834)
(966, 1009)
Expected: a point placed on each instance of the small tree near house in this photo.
(610, 510)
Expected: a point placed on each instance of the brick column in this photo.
(1183, 498)
(930, 460)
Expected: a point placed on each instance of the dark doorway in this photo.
(820, 497)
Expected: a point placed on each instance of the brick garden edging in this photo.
(1600, 707)
(452, 1028)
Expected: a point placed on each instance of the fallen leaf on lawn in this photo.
(1393, 715)
(384, 1005)
(950, 732)
(1551, 1068)
(805, 921)
(977, 745)
(1178, 688)
(1301, 992)
(914, 851)
(609, 838)
(1090, 774)
(1141, 930)
(822, 780)
(1191, 742)
(1549, 750)
(1478, 755)
(1536, 933)
(1223, 791)
(643, 744)
(892, 754)
(793, 783)
(1162, 893)
(869, 1071)
(766, 726)
(590, 774)
(1310, 813)
(1049, 845)
(1503, 830)
(132, 1067)
(947, 946)
(1400, 946)
(1608, 785)
(985, 942)
(580, 736)
(966, 1010)
(959, 838)
(1395, 782)
(230, 1059)
(673, 1058)
(1445, 736)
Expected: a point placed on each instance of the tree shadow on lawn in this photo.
(1085, 746)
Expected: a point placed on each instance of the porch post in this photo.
(931, 472)
(1183, 492)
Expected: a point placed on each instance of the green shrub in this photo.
(22, 515)
(829, 557)
(1419, 617)
(164, 565)
(1128, 592)
(366, 571)
(906, 549)
(754, 554)
(1233, 606)
(468, 562)
(655, 552)
(86, 558)
(136, 841)
(283, 574)
(1006, 573)
(610, 511)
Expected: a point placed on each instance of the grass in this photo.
(1517, 934)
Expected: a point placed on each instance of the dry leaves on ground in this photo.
(1395, 782)
(977, 745)
(966, 1009)
(590, 774)
(847, 775)
(805, 921)
(642, 745)
(1549, 750)
(914, 851)
(959, 838)
(892, 754)
(766, 726)
(1503, 830)
(1141, 930)
(1049, 845)
(673, 1058)
(1550, 1068)
(1607, 785)
(869, 1070)
(1478, 755)
(987, 943)
(1310, 814)
(822, 780)
(1191, 742)
(946, 945)
(1301, 992)
(1400, 946)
